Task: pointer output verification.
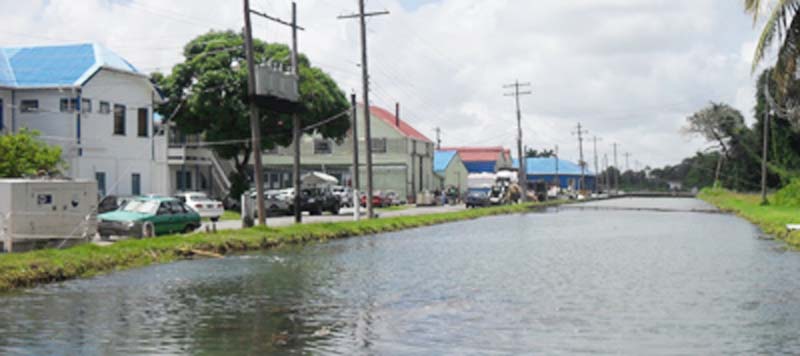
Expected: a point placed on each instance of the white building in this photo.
(95, 105)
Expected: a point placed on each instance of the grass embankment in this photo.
(771, 218)
(45, 266)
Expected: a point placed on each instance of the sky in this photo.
(629, 71)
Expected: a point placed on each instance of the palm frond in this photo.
(777, 24)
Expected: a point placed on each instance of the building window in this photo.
(68, 104)
(29, 106)
(100, 177)
(322, 147)
(119, 120)
(136, 184)
(105, 108)
(183, 180)
(378, 145)
(142, 123)
(86, 105)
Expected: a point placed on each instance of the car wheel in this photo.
(335, 209)
(188, 229)
(148, 230)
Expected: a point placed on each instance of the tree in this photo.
(207, 94)
(782, 25)
(23, 154)
(718, 123)
(545, 153)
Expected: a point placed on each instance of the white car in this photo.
(202, 204)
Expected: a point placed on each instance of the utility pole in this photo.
(596, 171)
(608, 177)
(356, 167)
(362, 16)
(558, 179)
(765, 128)
(438, 138)
(616, 169)
(297, 130)
(582, 163)
(522, 173)
(255, 127)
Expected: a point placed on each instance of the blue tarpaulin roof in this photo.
(480, 166)
(442, 159)
(54, 66)
(547, 166)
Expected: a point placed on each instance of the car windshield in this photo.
(141, 206)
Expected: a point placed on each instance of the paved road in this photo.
(346, 214)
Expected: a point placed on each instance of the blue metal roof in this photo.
(54, 66)
(547, 166)
(480, 166)
(442, 159)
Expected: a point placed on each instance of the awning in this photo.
(315, 178)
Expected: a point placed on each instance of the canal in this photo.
(632, 276)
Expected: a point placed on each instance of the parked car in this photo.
(378, 200)
(277, 202)
(345, 195)
(111, 203)
(477, 197)
(144, 217)
(317, 200)
(393, 198)
(202, 204)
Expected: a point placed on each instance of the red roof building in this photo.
(483, 159)
(401, 126)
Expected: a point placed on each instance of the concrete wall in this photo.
(455, 175)
(100, 150)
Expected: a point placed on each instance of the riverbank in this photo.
(48, 266)
(772, 219)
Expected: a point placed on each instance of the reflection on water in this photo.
(563, 282)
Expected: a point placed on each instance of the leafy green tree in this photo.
(23, 154)
(545, 153)
(782, 26)
(207, 94)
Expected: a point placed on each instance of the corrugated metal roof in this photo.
(478, 154)
(442, 159)
(54, 66)
(403, 127)
(547, 166)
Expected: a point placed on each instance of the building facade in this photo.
(450, 170)
(483, 159)
(93, 104)
(402, 157)
(553, 171)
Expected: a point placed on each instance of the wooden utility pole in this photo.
(608, 177)
(297, 129)
(356, 166)
(596, 168)
(580, 132)
(765, 144)
(558, 179)
(362, 16)
(438, 138)
(255, 127)
(627, 161)
(522, 173)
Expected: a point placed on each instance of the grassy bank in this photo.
(771, 218)
(46, 266)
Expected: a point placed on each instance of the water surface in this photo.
(560, 282)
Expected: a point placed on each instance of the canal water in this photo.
(641, 277)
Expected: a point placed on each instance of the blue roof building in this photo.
(450, 169)
(552, 170)
(95, 105)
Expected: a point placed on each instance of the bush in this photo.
(789, 195)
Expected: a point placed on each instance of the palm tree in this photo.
(782, 25)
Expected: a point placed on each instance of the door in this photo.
(136, 184)
(163, 219)
(100, 177)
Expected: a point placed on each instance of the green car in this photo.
(148, 216)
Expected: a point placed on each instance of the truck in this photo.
(479, 188)
(36, 213)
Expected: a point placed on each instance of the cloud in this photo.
(629, 70)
